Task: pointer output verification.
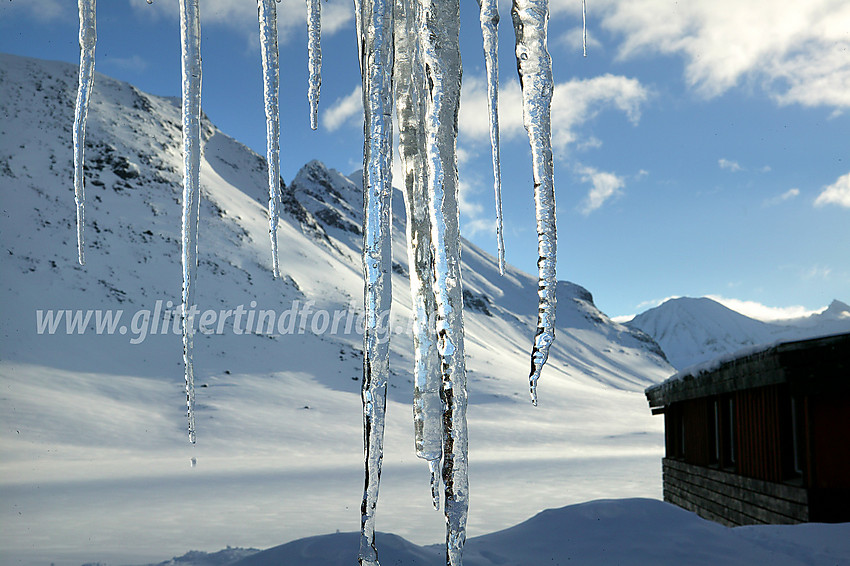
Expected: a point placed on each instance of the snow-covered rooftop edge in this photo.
(750, 351)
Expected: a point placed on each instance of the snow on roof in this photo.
(688, 382)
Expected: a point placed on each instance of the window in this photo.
(674, 431)
(714, 436)
(792, 437)
(796, 437)
(729, 433)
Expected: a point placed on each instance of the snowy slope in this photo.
(694, 330)
(633, 532)
(626, 532)
(93, 444)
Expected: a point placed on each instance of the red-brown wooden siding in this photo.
(758, 433)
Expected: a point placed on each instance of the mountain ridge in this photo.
(694, 330)
(320, 203)
(98, 453)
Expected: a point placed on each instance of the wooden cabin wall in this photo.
(760, 447)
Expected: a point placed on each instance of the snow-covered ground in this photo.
(634, 532)
(94, 461)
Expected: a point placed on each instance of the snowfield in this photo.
(634, 532)
(94, 460)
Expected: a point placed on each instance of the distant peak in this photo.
(837, 309)
(315, 165)
(314, 171)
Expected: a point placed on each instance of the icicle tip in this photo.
(434, 467)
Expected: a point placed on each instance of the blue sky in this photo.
(702, 147)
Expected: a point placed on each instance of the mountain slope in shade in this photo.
(94, 450)
(695, 330)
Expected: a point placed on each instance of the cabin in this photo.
(760, 438)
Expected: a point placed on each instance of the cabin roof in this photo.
(816, 365)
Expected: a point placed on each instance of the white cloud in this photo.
(787, 195)
(468, 206)
(817, 272)
(836, 193)
(752, 309)
(134, 63)
(475, 226)
(574, 40)
(472, 118)
(652, 303)
(758, 311)
(573, 103)
(336, 16)
(242, 16)
(605, 186)
(43, 10)
(345, 110)
(797, 51)
(475, 217)
(732, 166)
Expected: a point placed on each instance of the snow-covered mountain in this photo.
(88, 410)
(694, 330)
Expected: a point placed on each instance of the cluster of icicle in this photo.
(410, 59)
(410, 55)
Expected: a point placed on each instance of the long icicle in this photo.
(438, 35)
(489, 17)
(530, 19)
(409, 88)
(584, 27)
(314, 53)
(88, 39)
(267, 13)
(190, 38)
(375, 47)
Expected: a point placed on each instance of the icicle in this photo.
(190, 38)
(530, 18)
(438, 35)
(375, 47)
(434, 468)
(267, 11)
(314, 49)
(489, 16)
(88, 39)
(584, 27)
(409, 88)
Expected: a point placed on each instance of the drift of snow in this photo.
(314, 54)
(267, 13)
(637, 532)
(190, 40)
(489, 17)
(530, 18)
(88, 40)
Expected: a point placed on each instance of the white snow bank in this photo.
(612, 531)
